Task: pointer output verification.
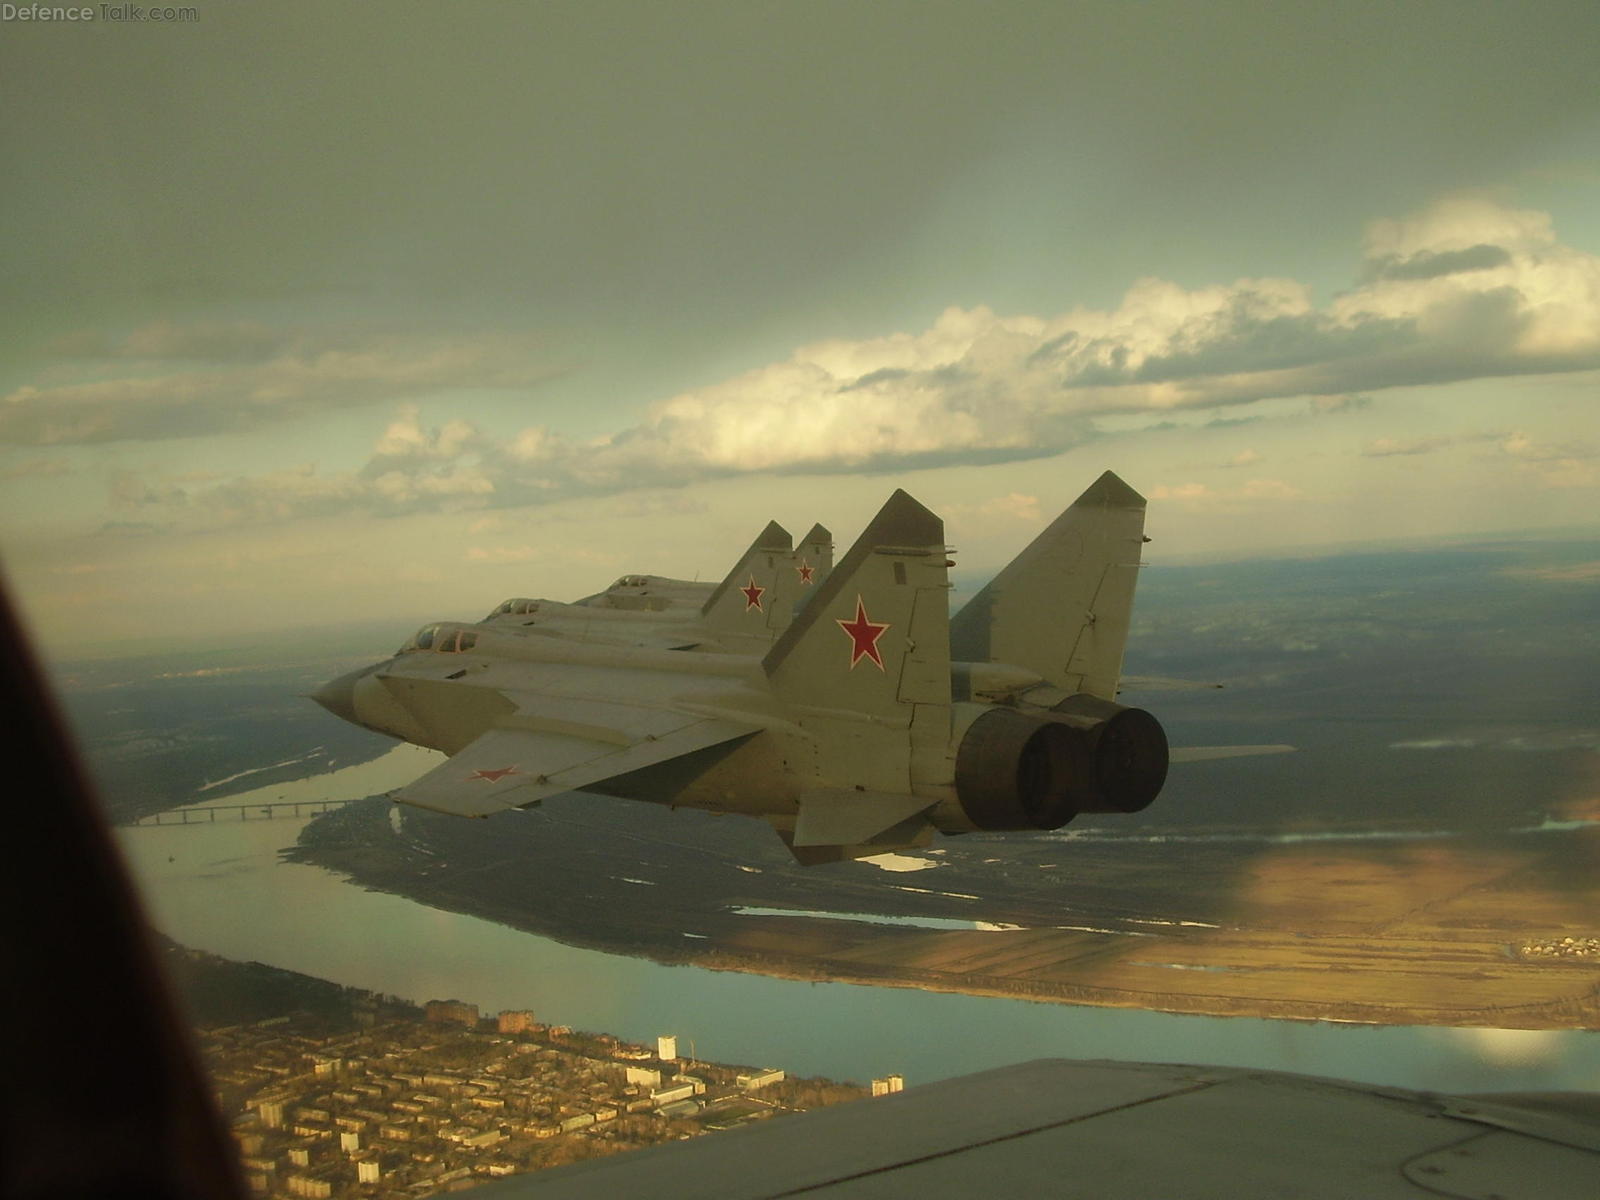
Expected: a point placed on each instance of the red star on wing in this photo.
(752, 595)
(864, 634)
(806, 572)
(494, 776)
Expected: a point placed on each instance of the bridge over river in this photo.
(210, 814)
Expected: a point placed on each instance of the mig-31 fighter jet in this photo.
(868, 722)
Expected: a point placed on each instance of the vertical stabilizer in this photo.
(868, 656)
(745, 603)
(1061, 608)
(814, 551)
(811, 565)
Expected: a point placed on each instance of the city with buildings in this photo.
(403, 1101)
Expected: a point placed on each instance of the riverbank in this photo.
(1412, 932)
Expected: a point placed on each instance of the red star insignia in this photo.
(752, 595)
(494, 776)
(864, 634)
(806, 572)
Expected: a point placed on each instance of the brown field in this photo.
(1423, 933)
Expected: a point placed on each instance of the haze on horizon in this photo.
(334, 314)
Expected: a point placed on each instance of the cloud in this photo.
(248, 378)
(1458, 224)
(204, 341)
(1325, 405)
(1386, 447)
(1462, 290)
(1466, 288)
(35, 468)
(1268, 489)
(1202, 497)
(1014, 506)
(123, 529)
(406, 441)
(236, 341)
(80, 569)
(959, 392)
(410, 463)
(1432, 264)
(1564, 465)
(500, 554)
(129, 491)
(412, 469)
(544, 554)
(1520, 445)
(1584, 572)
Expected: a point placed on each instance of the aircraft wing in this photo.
(1119, 1131)
(553, 745)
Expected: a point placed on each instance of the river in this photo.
(222, 888)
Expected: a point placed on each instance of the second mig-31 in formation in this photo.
(843, 704)
(742, 614)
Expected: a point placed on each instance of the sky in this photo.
(322, 313)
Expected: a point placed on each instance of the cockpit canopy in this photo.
(637, 593)
(516, 607)
(441, 639)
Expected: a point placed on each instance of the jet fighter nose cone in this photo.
(338, 696)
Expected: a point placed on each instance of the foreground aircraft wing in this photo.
(538, 753)
(1120, 1131)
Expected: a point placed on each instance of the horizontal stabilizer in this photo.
(841, 816)
(1189, 754)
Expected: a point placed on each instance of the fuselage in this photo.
(452, 682)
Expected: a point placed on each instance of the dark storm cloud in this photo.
(209, 341)
(689, 167)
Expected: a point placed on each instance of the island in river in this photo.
(1402, 929)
